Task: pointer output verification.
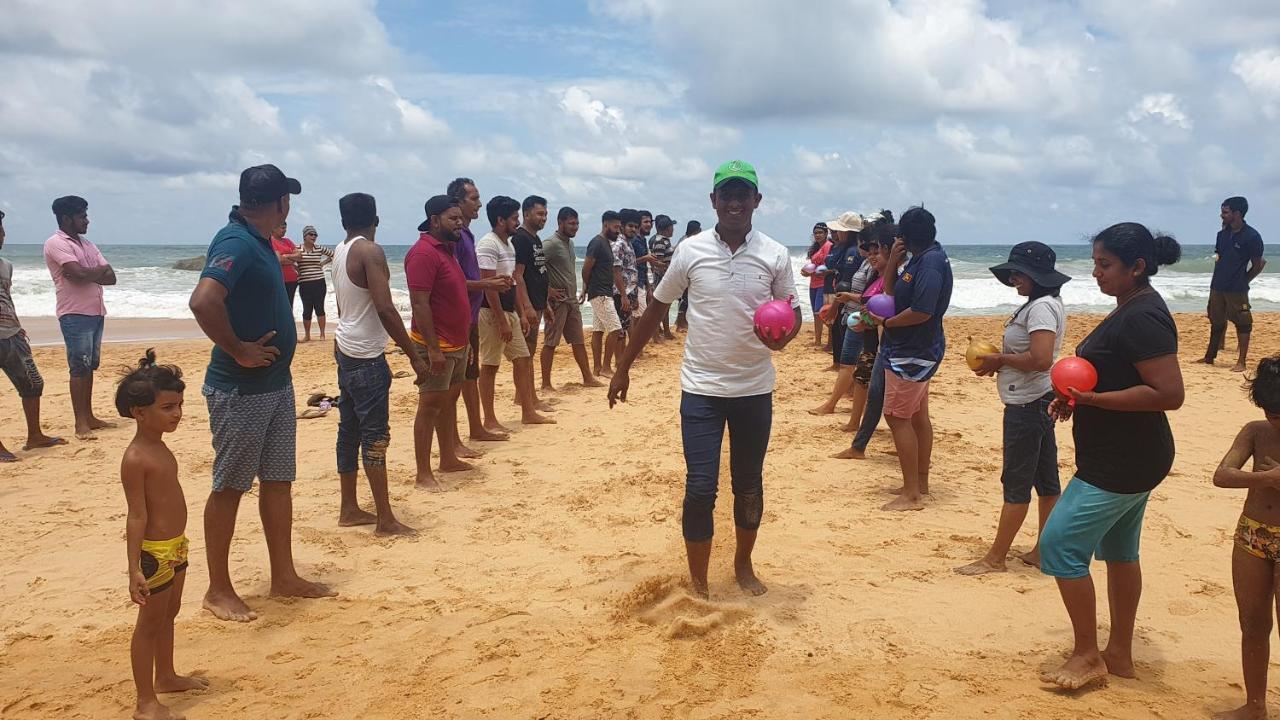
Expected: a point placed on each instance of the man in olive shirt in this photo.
(564, 314)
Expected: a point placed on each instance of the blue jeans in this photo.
(875, 402)
(364, 411)
(702, 422)
(82, 334)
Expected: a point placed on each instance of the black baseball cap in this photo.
(262, 184)
(662, 222)
(436, 206)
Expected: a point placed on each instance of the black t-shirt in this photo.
(1125, 452)
(529, 253)
(1234, 251)
(834, 259)
(600, 282)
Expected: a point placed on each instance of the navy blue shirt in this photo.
(835, 259)
(915, 352)
(849, 264)
(243, 262)
(640, 244)
(1235, 250)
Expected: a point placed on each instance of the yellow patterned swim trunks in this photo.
(162, 560)
(1257, 539)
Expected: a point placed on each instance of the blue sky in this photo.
(1010, 120)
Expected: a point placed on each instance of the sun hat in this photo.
(1035, 260)
(847, 222)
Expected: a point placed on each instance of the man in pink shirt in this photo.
(79, 271)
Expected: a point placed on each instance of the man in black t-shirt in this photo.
(531, 277)
(1238, 260)
(600, 277)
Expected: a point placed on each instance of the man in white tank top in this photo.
(367, 317)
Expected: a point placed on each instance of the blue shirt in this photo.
(1234, 251)
(835, 259)
(257, 303)
(914, 352)
(640, 244)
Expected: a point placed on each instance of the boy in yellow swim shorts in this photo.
(1257, 538)
(151, 395)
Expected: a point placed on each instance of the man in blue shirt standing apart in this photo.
(1238, 255)
(241, 304)
(914, 345)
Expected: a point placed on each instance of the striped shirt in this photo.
(311, 264)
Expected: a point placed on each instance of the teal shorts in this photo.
(1090, 522)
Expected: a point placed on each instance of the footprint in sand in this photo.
(664, 602)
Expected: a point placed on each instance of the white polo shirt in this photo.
(722, 355)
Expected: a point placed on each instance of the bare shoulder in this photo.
(148, 458)
(1262, 432)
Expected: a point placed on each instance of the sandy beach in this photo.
(550, 582)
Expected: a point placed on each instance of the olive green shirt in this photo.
(562, 264)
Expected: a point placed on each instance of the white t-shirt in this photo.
(722, 355)
(1018, 387)
(494, 253)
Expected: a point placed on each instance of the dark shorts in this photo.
(312, 293)
(862, 369)
(253, 436)
(625, 317)
(82, 334)
(15, 358)
(815, 299)
(1227, 307)
(1030, 452)
(364, 409)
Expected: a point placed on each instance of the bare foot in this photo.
(903, 502)
(352, 518)
(546, 388)
(699, 588)
(1077, 672)
(497, 428)
(668, 335)
(1031, 558)
(1118, 664)
(822, 409)
(1239, 367)
(153, 710)
(463, 451)
(96, 424)
(430, 484)
(536, 419)
(228, 607)
(1244, 712)
(1202, 361)
(604, 372)
(543, 406)
(85, 434)
(297, 587)
(488, 436)
(180, 683)
(455, 466)
(981, 567)
(851, 453)
(592, 382)
(394, 527)
(748, 581)
(43, 441)
(306, 339)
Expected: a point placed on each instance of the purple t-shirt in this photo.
(465, 249)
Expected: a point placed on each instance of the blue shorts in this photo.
(1090, 522)
(851, 348)
(816, 297)
(253, 436)
(82, 334)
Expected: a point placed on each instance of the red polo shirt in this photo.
(431, 267)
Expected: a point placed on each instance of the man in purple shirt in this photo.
(464, 191)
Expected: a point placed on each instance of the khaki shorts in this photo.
(566, 323)
(455, 369)
(493, 347)
(606, 315)
(903, 398)
(1230, 307)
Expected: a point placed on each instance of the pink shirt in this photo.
(74, 298)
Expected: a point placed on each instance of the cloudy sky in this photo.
(1010, 120)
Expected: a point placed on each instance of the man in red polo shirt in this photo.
(441, 334)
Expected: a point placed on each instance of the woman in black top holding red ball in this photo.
(1124, 449)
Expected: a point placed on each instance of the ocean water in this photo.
(149, 287)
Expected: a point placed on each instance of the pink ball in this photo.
(882, 305)
(810, 268)
(1073, 372)
(775, 319)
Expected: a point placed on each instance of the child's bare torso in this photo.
(1263, 503)
(166, 504)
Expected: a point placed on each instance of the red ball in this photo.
(1073, 372)
(775, 319)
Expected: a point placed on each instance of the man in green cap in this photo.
(727, 376)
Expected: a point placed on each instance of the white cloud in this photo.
(1259, 70)
(1163, 107)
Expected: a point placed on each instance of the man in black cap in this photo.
(241, 304)
(661, 248)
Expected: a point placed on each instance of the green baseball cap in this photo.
(735, 170)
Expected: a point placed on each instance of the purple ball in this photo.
(882, 305)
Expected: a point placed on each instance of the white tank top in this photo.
(360, 333)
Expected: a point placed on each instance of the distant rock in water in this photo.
(195, 263)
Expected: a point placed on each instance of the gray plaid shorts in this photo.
(253, 436)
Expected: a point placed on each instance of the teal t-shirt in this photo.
(257, 303)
